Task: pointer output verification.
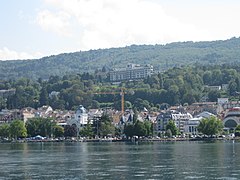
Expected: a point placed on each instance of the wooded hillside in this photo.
(162, 57)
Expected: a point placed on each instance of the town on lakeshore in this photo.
(186, 119)
(140, 120)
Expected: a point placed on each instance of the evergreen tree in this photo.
(44, 99)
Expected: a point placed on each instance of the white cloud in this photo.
(54, 22)
(7, 54)
(114, 23)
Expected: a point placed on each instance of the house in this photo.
(44, 112)
(7, 116)
(28, 113)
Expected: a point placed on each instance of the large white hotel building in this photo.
(131, 72)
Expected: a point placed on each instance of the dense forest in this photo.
(162, 57)
(178, 85)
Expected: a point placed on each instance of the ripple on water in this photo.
(118, 170)
(157, 175)
(76, 169)
(101, 162)
(102, 159)
(195, 177)
(228, 178)
(160, 166)
(139, 175)
(141, 172)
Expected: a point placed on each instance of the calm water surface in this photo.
(158, 160)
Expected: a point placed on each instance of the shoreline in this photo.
(122, 140)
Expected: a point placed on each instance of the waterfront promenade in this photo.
(144, 139)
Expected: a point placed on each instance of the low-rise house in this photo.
(7, 116)
(125, 119)
(28, 113)
(44, 112)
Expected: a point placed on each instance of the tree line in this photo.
(176, 86)
(46, 127)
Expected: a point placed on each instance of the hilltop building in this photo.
(131, 72)
(4, 93)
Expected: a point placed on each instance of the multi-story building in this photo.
(191, 125)
(131, 72)
(180, 119)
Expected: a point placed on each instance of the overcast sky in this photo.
(37, 28)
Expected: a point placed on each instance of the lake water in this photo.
(158, 160)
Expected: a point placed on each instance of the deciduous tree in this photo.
(172, 127)
(18, 129)
(4, 130)
(210, 126)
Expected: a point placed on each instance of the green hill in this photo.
(162, 57)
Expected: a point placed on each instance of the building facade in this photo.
(131, 72)
(180, 119)
(80, 118)
(191, 125)
(232, 118)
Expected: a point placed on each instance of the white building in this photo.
(80, 118)
(131, 72)
(213, 88)
(191, 125)
(180, 119)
